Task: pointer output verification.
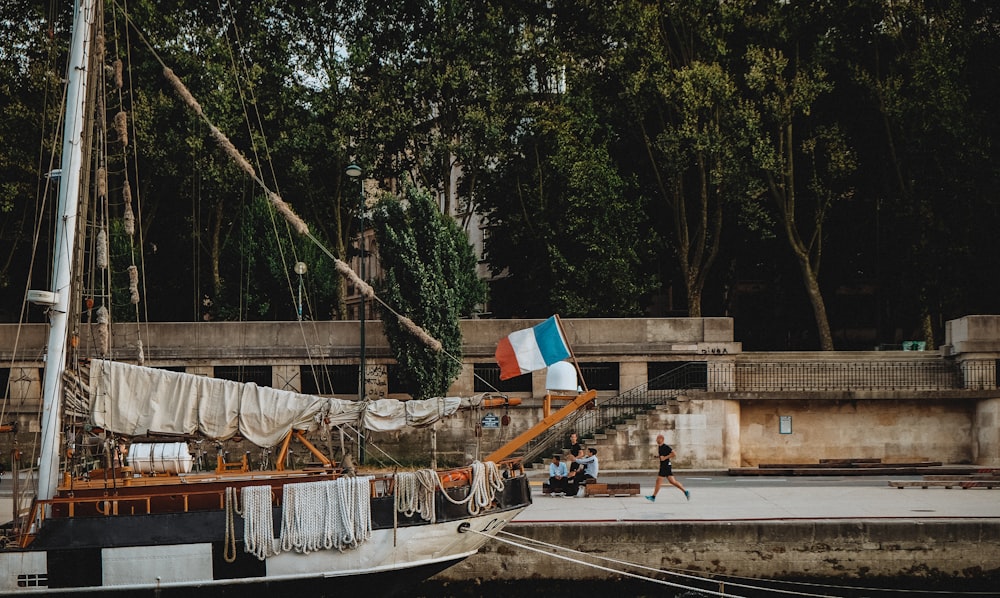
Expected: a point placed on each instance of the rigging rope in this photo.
(293, 220)
(716, 578)
(603, 568)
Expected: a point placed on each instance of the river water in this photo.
(631, 588)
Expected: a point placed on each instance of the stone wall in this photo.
(718, 428)
(836, 550)
(891, 430)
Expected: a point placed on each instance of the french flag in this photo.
(531, 349)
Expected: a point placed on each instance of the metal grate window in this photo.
(487, 377)
(258, 374)
(329, 379)
(395, 383)
(601, 375)
(666, 375)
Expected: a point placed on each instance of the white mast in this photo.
(65, 243)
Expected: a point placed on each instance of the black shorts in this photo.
(665, 469)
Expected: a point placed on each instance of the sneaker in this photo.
(687, 494)
(651, 498)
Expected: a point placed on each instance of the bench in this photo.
(596, 489)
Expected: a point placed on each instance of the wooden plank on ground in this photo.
(988, 484)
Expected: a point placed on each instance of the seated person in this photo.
(557, 476)
(575, 451)
(589, 468)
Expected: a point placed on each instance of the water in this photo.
(979, 587)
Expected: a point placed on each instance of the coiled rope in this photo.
(415, 493)
(258, 522)
(229, 544)
(314, 516)
(324, 515)
(486, 482)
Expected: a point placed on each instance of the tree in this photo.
(786, 78)
(265, 74)
(32, 52)
(927, 67)
(694, 127)
(429, 276)
(563, 233)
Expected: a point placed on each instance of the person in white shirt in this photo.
(557, 476)
(589, 468)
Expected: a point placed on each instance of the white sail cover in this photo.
(135, 400)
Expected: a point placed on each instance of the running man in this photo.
(665, 453)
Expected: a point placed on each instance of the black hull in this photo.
(385, 583)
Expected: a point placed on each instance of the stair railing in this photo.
(615, 410)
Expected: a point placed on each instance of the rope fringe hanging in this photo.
(102, 249)
(133, 284)
(103, 332)
(128, 218)
(102, 182)
(121, 126)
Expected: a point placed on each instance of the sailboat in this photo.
(147, 524)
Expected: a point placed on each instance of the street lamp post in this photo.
(354, 171)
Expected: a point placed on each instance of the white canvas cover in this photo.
(135, 400)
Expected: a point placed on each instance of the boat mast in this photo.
(65, 242)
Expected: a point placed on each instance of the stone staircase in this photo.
(630, 444)
(623, 428)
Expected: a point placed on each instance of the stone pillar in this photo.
(731, 449)
(376, 380)
(286, 377)
(201, 370)
(986, 433)
(465, 384)
(631, 374)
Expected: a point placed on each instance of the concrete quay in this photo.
(825, 528)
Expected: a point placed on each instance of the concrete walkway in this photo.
(718, 497)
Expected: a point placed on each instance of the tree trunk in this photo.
(818, 305)
(694, 301)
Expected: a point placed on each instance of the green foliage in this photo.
(429, 276)
(562, 231)
(618, 151)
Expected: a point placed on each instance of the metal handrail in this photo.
(777, 376)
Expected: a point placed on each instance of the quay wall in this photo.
(752, 408)
(816, 549)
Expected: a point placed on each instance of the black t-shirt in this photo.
(664, 451)
(575, 449)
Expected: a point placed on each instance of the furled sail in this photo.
(136, 400)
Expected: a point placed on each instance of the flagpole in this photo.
(572, 355)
